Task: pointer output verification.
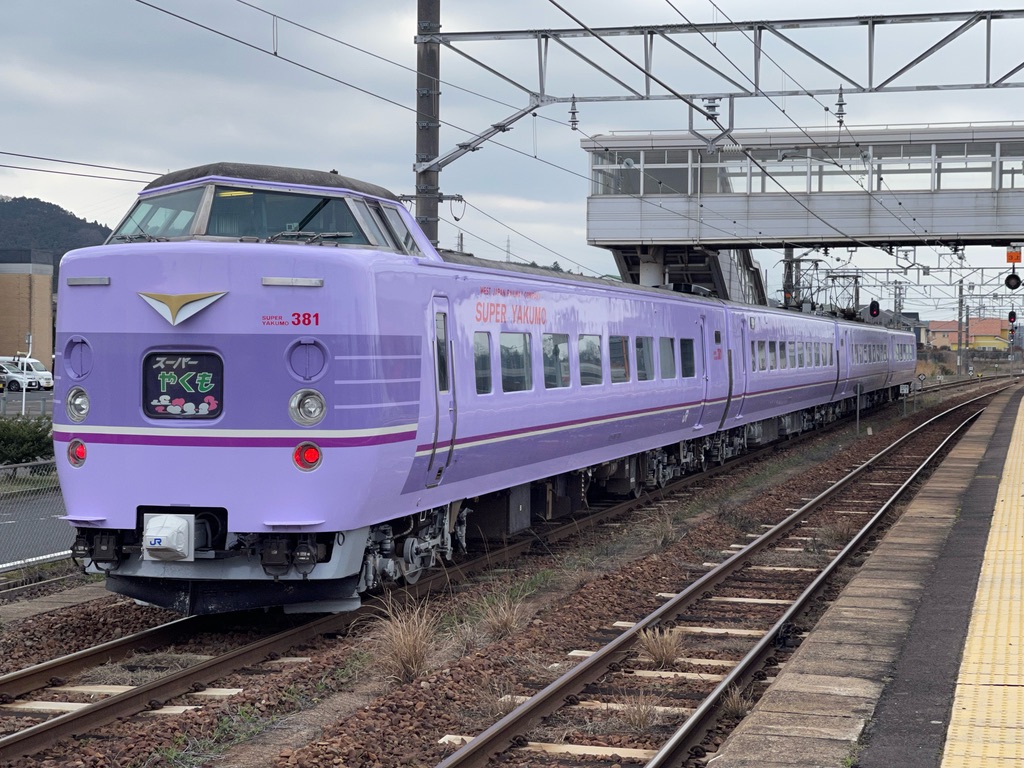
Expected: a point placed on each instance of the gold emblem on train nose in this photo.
(176, 308)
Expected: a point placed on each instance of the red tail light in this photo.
(76, 453)
(307, 456)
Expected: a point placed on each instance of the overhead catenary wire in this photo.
(78, 162)
(790, 118)
(279, 56)
(705, 211)
(71, 173)
(713, 120)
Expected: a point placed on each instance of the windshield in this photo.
(37, 366)
(162, 216)
(277, 215)
(268, 215)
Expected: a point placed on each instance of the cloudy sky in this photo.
(150, 86)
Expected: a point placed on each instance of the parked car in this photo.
(31, 368)
(16, 380)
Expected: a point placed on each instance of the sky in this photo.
(151, 86)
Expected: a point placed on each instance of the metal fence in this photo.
(13, 404)
(31, 505)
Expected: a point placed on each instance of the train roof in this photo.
(270, 173)
(465, 259)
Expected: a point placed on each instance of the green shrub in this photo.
(24, 439)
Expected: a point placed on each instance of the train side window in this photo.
(644, 358)
(762, 356)
(371, 224)
(831, 353)
(482, 362)
(441, 343)
(792, 353)
(809, 353)
(516, 368)
(718, 337)
(667, 350)
(556, 360)
(618, 358)
(817, 354)
(401, 231)
(686, 359)
(753, 355)
(783, 361)
(773, 359)
(590, 360)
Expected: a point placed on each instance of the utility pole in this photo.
(428, 121)
(967, 336)
(960, 329)
(789, 279)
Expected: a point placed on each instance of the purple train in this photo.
(273, 391)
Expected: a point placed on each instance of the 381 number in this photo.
(305, 318)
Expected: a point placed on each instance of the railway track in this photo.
(153, 695)
(760, 608)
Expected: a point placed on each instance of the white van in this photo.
(31, 368)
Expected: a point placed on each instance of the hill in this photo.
(31, 223)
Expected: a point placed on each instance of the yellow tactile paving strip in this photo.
(986, 728)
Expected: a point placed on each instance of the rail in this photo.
(510, 730)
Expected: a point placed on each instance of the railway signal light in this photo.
(1013, 318)
(1012, 281)
(873, 308)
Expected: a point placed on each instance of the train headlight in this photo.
(307, 456)
(76, 404)
(307, 407)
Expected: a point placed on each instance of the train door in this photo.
(705, 371)
(445, 414)
(842, 367)
(739, 366)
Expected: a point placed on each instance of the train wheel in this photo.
(411, 566)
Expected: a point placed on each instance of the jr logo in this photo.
(156, 541)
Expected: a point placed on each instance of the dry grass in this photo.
(640, 711)
(662, 646)
(406, 641)
(502, 615)
(140, 668)
(835, 535)
(658, 530)
(498, 699)
(739, 518)
(734, 704)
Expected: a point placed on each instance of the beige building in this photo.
(982, 333)
(26, 302)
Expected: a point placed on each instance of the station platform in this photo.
(920, 661)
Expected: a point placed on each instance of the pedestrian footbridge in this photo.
(678, 208)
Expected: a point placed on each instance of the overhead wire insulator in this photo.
(840, 107)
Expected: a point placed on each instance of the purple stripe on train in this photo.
(215, 441)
